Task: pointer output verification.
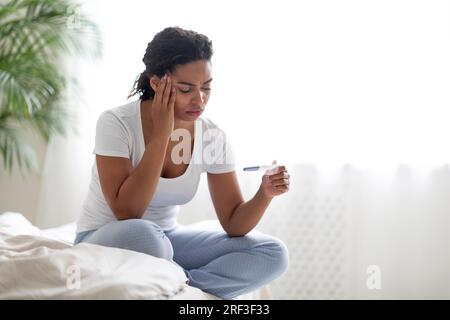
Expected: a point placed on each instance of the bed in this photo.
(43, 264)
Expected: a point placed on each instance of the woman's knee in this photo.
(280, 256)
(276, 256)
(135, 234)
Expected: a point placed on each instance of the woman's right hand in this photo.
(163, 105)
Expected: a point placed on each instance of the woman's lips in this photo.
(195, 112)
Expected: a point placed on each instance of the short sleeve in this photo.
(218, 156)
(111, 136)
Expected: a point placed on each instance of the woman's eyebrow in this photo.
(191, 84)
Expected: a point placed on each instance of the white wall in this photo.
(21, 193)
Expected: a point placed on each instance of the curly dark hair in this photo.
(170, 47)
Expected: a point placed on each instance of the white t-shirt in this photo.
(119, 134)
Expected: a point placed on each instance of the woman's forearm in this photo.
(246, 216)
(136, 192)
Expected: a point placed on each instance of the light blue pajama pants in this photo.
(213, 262)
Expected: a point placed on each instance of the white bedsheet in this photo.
(35, 266)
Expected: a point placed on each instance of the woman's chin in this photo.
(187, 116)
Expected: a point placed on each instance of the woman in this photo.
(138, 180)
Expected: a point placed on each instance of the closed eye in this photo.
(189, 90)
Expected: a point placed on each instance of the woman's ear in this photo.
(154, 82)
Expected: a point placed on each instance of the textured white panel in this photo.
(312, 220)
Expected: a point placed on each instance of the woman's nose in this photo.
(199, 97)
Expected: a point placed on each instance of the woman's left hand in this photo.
(275, 182)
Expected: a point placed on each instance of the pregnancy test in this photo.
(259, 168)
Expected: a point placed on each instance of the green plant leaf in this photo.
(35, 37)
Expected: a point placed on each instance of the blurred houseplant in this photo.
(35, 37)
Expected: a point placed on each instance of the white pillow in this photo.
(15, 223)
